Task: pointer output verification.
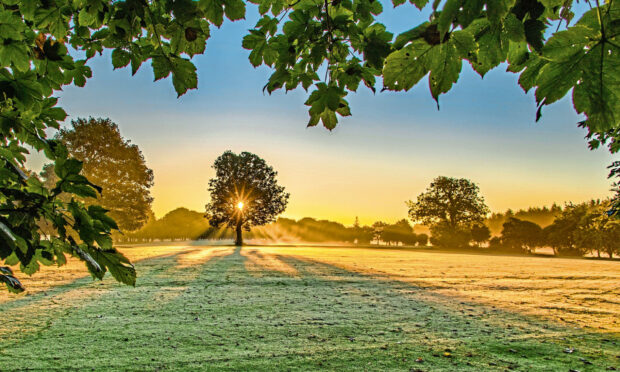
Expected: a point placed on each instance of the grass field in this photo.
(304, 308)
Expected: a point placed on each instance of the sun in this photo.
(240, 205)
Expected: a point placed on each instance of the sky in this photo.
(386, 153)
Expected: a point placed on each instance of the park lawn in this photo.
(225, 308)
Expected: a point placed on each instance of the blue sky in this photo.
(387, 152)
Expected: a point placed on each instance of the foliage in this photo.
(597, 231)
(454, 203)
(561, 234)
(522, 236)
(422, 239)
(480, 233)
(399, 232)
(114, 164)
(542, 216)
(446, 236)
(614, 172)
(178, 224)
(246, 179)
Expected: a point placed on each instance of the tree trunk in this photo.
(239, 239)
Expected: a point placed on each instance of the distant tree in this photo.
(495, 243)
(361, 234)
(114, 164)
(614, 172)
(244, 193)
(422, 239)
(524, 236)
(450, 206)
(399, 232)
(451, 201)
(377, 228)
(560, 235)
(543, 216)
(598, 231)
(480, 233)
(178, 224)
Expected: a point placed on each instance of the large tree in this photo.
(114, 164)
(297, 39)
(244, 193)
(453, 202)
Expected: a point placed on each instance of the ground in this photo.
(308, 308)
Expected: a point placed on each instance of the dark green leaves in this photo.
(120, 58)
(403, 69)
(6, 276)
(325, 102)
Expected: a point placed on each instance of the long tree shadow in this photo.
(224, 317)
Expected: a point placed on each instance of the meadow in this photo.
(302, 308)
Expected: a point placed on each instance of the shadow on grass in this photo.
(224, 318)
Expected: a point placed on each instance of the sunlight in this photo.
(240, 205)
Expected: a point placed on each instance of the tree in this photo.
(523, 236)
(560, 235)
(244, 193)
(422, 239)
(596, 230)
(450, 201)
(401, 231)
(341, 37)
(614, 172)
(480, 233)
(114, 164)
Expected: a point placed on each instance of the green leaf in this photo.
(514, 28)
(161, 67)
(120, 58)
(447, 16)
(404, 68)
(184, 76)
(556, 79)
(214, 11)
(445, 64)
(564, 45)
(234, 9)
(64, 168)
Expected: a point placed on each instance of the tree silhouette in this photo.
(522, 236)
(450, 206)
(244, 193)
(450, 201)
(480, 233)
(114, 164)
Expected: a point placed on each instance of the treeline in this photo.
(578, 230)
(184, 224)
(541, 216)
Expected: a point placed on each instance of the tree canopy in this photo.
(114, 164)
(452, 202)
(244, 193)
(522, 236)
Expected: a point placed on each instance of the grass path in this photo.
(232, 309)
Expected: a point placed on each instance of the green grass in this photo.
(219, 315)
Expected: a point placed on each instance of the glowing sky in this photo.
(386, 153)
